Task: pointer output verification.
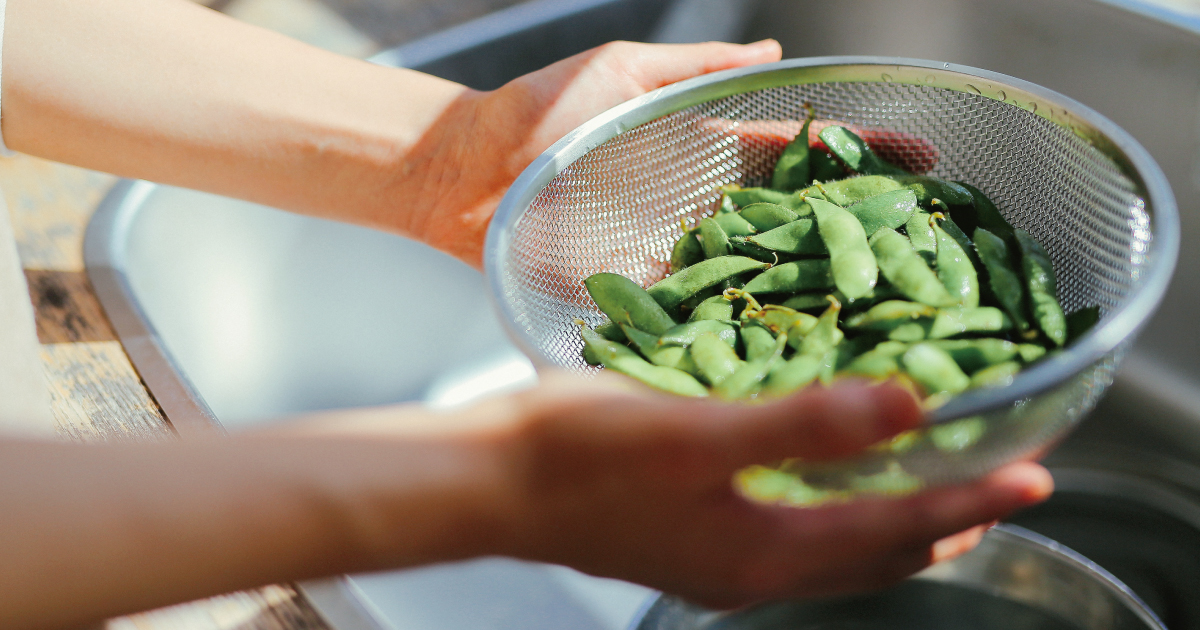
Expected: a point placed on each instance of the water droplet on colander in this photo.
(930, 79)
(974, 89)
(1001, 95)
(1033, 107)
(886, 77)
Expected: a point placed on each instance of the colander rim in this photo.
(1121, 324)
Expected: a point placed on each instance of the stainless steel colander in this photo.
(613, 196)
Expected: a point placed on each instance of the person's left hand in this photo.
(468, 160)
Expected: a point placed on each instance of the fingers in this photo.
(879, 526)
(659, 65)
(816, 424)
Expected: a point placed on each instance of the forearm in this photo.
(92, 531)
(172, 92)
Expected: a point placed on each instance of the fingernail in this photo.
(1028, 483)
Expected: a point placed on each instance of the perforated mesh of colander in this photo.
(620, 207)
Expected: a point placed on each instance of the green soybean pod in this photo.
(734, 225)
(727, 206)
(714, 358)
(929, 188)
(889, 314)
(714, 239)
(852, 150)
(973, 355)
(1030, 352)
(779, 319)
(851, 260)
(825, 335)
(715, 307)
(957, 320)
(687, 251)
(667, 356)
(611, 331)
(793, 277)
(986, 215)
(757, 340)
(1081, 321)
(999, 375)
(958, 436)
(792, 170)
(618, 358)
(951, 228)
(890, 209)
(797, 237)
(767, 216)
(1005, 283)
(744, 247)
(1043, 288)
(911, 332)
(882, 361)
(674, 289)
(824, 167)
(685, 334)
(907, 271)
(793, 374)
(849, 191)
(748, 378)
(627, 303)
(954, 268)
(744, 197)
(921, 236)
(934, 369)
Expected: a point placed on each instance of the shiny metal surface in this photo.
(612, 194)
(1011, 564)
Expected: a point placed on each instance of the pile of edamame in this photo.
(846, 265)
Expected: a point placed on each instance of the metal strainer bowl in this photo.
(611, 196)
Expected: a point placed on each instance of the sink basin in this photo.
(236, 314)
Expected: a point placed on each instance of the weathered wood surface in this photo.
(97, 394)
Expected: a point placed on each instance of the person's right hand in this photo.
(618, 481)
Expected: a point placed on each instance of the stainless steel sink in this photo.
(236, 314)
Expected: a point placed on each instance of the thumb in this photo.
(818, 424)
(657, 65)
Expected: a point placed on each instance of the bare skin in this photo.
(601, 475)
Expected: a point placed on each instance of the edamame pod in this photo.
(667, 356)
(715, 307)
(1081, 321)
(847, 192)
(882, 361)
(687, 251)
(911, 332)
(1030, 352)
(611, 331)
(929, 188)
(825, 335)
(934, 369)
(957, 320)
(985, 214)
(783, 319)
(958, 436)
(734, 225)
(686, 334)
(890, 209)
(890, 314)
(792, 170)
(714, 239)
(618, 358)
(851, 260)
(793, 374)
(714, 358)
(748, 378)
(767, 216)
(951, 228)
(1005, 283)
(757, 340)
(627, 303)
(973, 355)
(954, 268)
(744, 197)
(999, 375)
(824, 167)
(906, 271)
(793, 277)
(852, 150)
(921, 236)
(672, 290)
(798, 237)
(1039, 278)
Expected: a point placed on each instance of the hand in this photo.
(625, 483)
(488, 139)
